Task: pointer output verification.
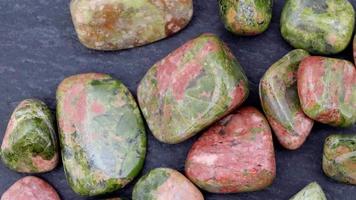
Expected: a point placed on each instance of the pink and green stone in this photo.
(102, 135)
(313, 191)
(191, 88)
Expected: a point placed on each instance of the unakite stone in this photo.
(354, 49)
(313, 191)
(280, 101)
(318, 26)
(165, 184)
(234, 155)
(327, 90)
(30, 141)
(246, 17)
(122, 24)
(339, 158)
(102, 135)
(191, 88)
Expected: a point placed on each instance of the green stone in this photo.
(318, 26)
(246, 17)
(102, 134)
(191, 88)
(339, 158)
(30, 142)
(313, 191)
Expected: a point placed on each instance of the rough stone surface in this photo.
(235, 155)
(327, 90)
(318, 26)
(102, 135)
(191, 88)
(313, 191)
(122, 24)
(30, 141)
(280, 101)
(339, 158)
(246, 17)
(165, 184)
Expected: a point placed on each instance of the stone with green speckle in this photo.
(30, 141)
(313, 191)
(102, 136)
(318, 26)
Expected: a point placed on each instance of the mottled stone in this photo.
(339, 158)
(313, 191)
(327, 90)
(30, 188)
(165, 184)
(234, 155)
(246, 17)
(191, 88)
(280, 101)
(122, 24)
(102, 135)
(354, 49)
(30, 141)
(318, 26)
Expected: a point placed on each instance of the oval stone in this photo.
(30, 141)
(318, 26)
(165, 184)
(122, 24)
(30, 188)
(313, 191)
(280, 101)
(102, 135)
(234, 155)
(246, 17)
(191, 88)
(327, 90)
(339, 158)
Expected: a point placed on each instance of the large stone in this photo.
(327, 90)
(122, 24)
(246, 17)
(339, 158)
(30, 188)
(102, 135)
(191, 88)
(313, 191)
(165, 184)
(280, 101)
(235, 155)
(30, 142)
(318, 26)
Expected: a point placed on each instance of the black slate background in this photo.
(39, 48)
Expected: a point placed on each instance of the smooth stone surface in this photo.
(102, 135)
(327, 90)
(30, 141)
(191, 88)
(318, 26)
(354, 49)
(313, 191)
(165, 184)
(30, 188)
(280, 101)
(234, 155)
(246, 17)
(339, 158)
(122, 24)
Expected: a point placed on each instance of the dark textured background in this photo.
(39, 48)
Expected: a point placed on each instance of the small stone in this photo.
(313, 191)
(246, 17)
(30, 188)
(318, 26)
(122, 24)
(165, 184)
(280, 101)
(30, 141)
(327, 90)
(102, 134)
(234, 155)
(339, 158)
(191, 88)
